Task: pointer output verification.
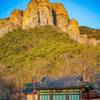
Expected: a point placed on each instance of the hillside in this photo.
(44, 51)
(90, 32)
(28, 51)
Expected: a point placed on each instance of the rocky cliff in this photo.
(11, 23)
(37, 13)
(60, 16)
(41, 13)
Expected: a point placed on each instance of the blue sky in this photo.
(87, 12)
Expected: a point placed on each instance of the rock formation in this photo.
(73, 30)
(74, 33)
(61, 17)
(40, 13)
(16, 17)
(11, 23)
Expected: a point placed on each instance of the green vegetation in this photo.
(25, 45)
(90, 32)
(45, 51)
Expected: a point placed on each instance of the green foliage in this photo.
(42, 51)
(22, 45)
(90, 32)
(28, 85)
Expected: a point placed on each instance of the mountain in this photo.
(38, 13)
(43, 40)
(42, 12)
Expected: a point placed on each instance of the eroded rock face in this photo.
(45, 13)
(11, 23)
(41, 13)
(73, 30)
(38, 13)
(6, 29)
(30, 16)
(61, 17)
(16, 17)
(88, 41)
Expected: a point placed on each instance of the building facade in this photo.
(65, 88)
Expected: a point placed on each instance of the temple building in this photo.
(64, 88)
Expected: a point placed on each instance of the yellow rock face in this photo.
(11, 23)
(73, 30)
(73, 26)
(59, 9)
(38, 13)
(30, 16)
(45, 14)
(16, 17)
(61, 16)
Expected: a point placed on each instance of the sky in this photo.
(87, 12)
